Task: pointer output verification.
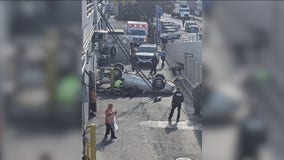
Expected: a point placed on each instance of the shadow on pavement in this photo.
(196, 120)
(171, 127)
(104, 142)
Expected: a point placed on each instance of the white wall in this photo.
(177, 50)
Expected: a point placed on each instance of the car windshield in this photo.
(146, 49)
(184, 10)
(191, 23)
(137, 32)
(144, 57)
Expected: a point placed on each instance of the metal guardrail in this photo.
(192, 72)
(184, 40)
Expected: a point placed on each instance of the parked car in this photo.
(170, 24)
(144, 58)
(189, 23)
(165, 25)
(171, 35)
(145, 53)
(192, 28)
(169, 28)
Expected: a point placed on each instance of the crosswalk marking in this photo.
(183, 125)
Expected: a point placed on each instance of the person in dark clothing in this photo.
(164, 42)
(183, 21)
(132, 61)
(104, 50)
(197, 96)
(163, 55)
(93, 104)
(176, 103)
(113, 51)
(154, 65)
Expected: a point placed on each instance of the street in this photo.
(144, 132)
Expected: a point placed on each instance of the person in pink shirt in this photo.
(110, 112)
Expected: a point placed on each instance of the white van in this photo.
(137, 31)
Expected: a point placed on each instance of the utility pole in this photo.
(159, 13)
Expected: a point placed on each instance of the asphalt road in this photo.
(144, 133)
(185, 35)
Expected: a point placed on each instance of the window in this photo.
(146, 49)
(137, 32)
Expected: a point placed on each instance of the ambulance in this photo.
(137, 31)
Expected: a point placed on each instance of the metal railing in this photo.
(184, 40)
(192, 72)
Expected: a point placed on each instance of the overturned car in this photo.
(152, 84)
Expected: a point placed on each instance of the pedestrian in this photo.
(132, 61)
(183, 21)
(118, 86)
(113, 51)
(163, 55)
(176, 103)
(197, 95)
(132, 46)
(93, 104)
(110, 113)
(154, 65)
(164, 42)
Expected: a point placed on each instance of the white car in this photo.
(145, 53)
(171, 35)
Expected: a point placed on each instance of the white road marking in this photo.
(184, 125)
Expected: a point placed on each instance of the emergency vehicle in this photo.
(137, 31)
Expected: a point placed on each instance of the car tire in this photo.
(158, 84)
(120, 66)
(160, 76)
(117, 73)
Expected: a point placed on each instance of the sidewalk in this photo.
(187, 104)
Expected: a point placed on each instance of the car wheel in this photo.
(120, 66)
(117, 73)
(158, 84)
(160, 76)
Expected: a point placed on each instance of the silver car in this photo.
(145, 53)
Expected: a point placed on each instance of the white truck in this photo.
(137, 31)
(198, 8)
(181, 9)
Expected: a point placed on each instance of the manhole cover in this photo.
(183, 158)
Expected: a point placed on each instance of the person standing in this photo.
(163, 55)
(132, 61)
(154, 65)
(197, 95)
(93, 104)
(110, 112)
(176, 103)
(183, 21)
(113, 51)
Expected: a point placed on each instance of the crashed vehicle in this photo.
(156, 83)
